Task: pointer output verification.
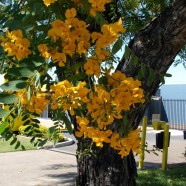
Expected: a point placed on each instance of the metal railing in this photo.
(175, 112)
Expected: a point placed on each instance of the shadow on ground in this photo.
(59, 166)
(66, 176)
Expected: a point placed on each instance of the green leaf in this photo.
(27, 128)
(21, 71)
(22, 147)
(43, 142)
(8, 136)
(7, 98)
(150, 77)
(117, 46)
(32, 139)
(140, 75)
(100, 19)
(37, 7)
(32, 62)
(78, 77)
(37, 80)
(3, 113)
(19, 107)
(67, 123)
(133, 60)
(13, 24)
(127, 52)
(143, 69)
(14, 85)
(162, 79)
(168, 75)
(35, 120)
(103, 80)
(29, 94)
(26, 122)
(35, 125)
(74, 67)
(25, 117)
(3, 126)
(17, 145)
(51, 129)
(13, 141)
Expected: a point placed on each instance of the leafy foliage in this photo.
(78, 41)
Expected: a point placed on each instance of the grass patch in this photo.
(6, 147)
(172, 177)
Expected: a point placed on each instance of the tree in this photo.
(104, 107)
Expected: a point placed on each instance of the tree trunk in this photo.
(104, 167)
(156, 46)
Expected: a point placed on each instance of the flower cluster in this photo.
(109, 34)
(122, 144)
(103, 105)
(107, 104)
(96, 106)
(97, 6)
(127, 143)
(36, 104)
(16, 45)
(67, 97)
(72, 35)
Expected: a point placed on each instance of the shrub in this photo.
(57, 137)
(42, 132)
(29, 130)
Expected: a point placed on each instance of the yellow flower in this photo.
(10, 48)
(43, 49)
(69, 48)
(82, 121)
(95, 36)
(14, 35)
(68, 97)
(48, 2)
(58, 57)
(97, 6)
(70, 13)
(15, 45)
(92, 66)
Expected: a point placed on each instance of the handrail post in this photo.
(142, 154)
(165, 146)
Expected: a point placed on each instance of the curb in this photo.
(61, 144)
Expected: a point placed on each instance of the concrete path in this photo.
(37, 168)
(57, 167)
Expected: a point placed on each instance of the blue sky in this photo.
(178, 75)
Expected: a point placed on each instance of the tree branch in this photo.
(159, 42)
(156, 46)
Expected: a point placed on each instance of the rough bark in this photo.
(104, 167)
(156, 45)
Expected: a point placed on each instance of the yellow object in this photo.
(165, 146)
(158, 125)
(17, 121)
(142, 154)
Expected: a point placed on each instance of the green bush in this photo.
(57, 137)
(42, 132)
(30, 130)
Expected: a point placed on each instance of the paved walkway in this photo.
(57, 167)
(37, 168)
